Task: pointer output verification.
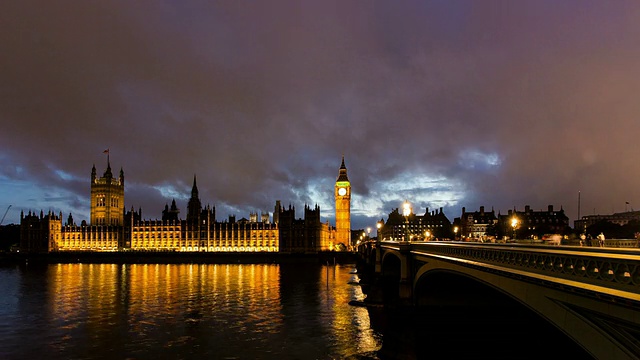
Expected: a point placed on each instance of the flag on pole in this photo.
(106, 151)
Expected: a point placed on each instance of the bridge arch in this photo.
(391, 276)
(591, 295)
(447, 288)
(520, 313)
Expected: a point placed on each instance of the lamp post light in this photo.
(514, 224)
(406, 211)
(427, 235)
(378, 264)
(368, 233)
(455, 233)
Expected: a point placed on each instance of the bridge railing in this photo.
(614, 269)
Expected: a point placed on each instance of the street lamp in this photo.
(406, 211)
(368, 233)
(514, 224)
(427, 235)
(455, 233)
(378, 265)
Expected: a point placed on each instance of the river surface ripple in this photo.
(183, 311)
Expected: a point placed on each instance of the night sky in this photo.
(446, 104)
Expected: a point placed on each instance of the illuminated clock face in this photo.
(342, 191)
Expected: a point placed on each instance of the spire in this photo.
(108, 173)
(194, 189)
(342, 176)
(194, 207)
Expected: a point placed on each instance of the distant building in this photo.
(622, 218)
(474, 224)
(534, 224)
(39, 234)
(431, 225)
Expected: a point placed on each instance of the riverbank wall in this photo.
(139, 257)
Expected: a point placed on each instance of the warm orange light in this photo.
(406, 208)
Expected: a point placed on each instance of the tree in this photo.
(495, 230)
(609, 229)
(629, 230)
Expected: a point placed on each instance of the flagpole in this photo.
(578, 204)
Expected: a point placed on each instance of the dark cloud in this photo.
(497, 103)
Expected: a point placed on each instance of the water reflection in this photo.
(92, 311)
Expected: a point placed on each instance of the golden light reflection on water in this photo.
(221, 309)
(350, 324)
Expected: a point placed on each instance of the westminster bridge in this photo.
(592, 294)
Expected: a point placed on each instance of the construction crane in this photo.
(5, 214)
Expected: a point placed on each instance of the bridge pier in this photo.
(405, 292)
(378, 265)
(389, 284)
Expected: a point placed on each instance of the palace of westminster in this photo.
(112, 228)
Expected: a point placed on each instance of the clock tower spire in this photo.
(342, 196)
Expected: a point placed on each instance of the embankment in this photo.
(140, 257)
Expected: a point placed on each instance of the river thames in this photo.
(218, 311)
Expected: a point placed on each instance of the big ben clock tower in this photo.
(343, 206)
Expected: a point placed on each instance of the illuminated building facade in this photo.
(200, 231)
(89, 238)
(211, 236)
(46, 233)
(342, 194)
(107, 198)
(113, 229)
